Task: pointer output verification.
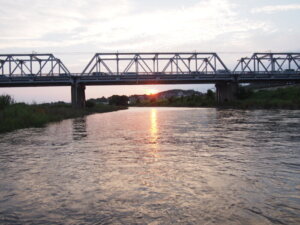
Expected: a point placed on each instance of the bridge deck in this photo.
(30, 81)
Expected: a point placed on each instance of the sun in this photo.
(151, 91)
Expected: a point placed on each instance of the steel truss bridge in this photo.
(27, 70)
(147, 68)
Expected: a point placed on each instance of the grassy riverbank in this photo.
(19, 115)
(281, 98)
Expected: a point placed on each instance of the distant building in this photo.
(176, 93)
(102, 100)
(133, 99)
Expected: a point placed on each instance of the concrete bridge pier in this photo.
(226, 91)
(78, 95)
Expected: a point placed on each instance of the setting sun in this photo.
(151, 91)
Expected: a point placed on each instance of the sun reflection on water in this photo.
(154, 133)
(153, 125)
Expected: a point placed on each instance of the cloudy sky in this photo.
(75, 29)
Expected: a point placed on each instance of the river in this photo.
(155, 166)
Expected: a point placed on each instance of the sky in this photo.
(74, 30)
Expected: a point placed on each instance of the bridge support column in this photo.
(226, 91)
(78, 96)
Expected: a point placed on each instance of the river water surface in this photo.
(154, 166)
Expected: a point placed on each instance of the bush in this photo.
(118, 100)
(90, 104)
(5, 100)
(210, 94)
(243, 93)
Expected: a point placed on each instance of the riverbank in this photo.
(19, 115)
(203, 100)
(280, 98)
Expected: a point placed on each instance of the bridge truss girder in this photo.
(154, 63)
(31, 65)
(269, 63)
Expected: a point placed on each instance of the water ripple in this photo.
(154, 166)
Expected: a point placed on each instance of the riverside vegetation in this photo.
(20, 115)
(205, 100)
(281, 98)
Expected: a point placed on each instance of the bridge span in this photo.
(30, 70)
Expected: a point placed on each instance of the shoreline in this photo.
(218, 107)
(19, 116)
(281, 98)
(43, 118)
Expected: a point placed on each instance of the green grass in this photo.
(20, 115)
(281, 98)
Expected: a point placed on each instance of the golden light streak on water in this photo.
(154, 134)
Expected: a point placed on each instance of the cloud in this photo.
(117, 24)
(276, 8)
(33, 19)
